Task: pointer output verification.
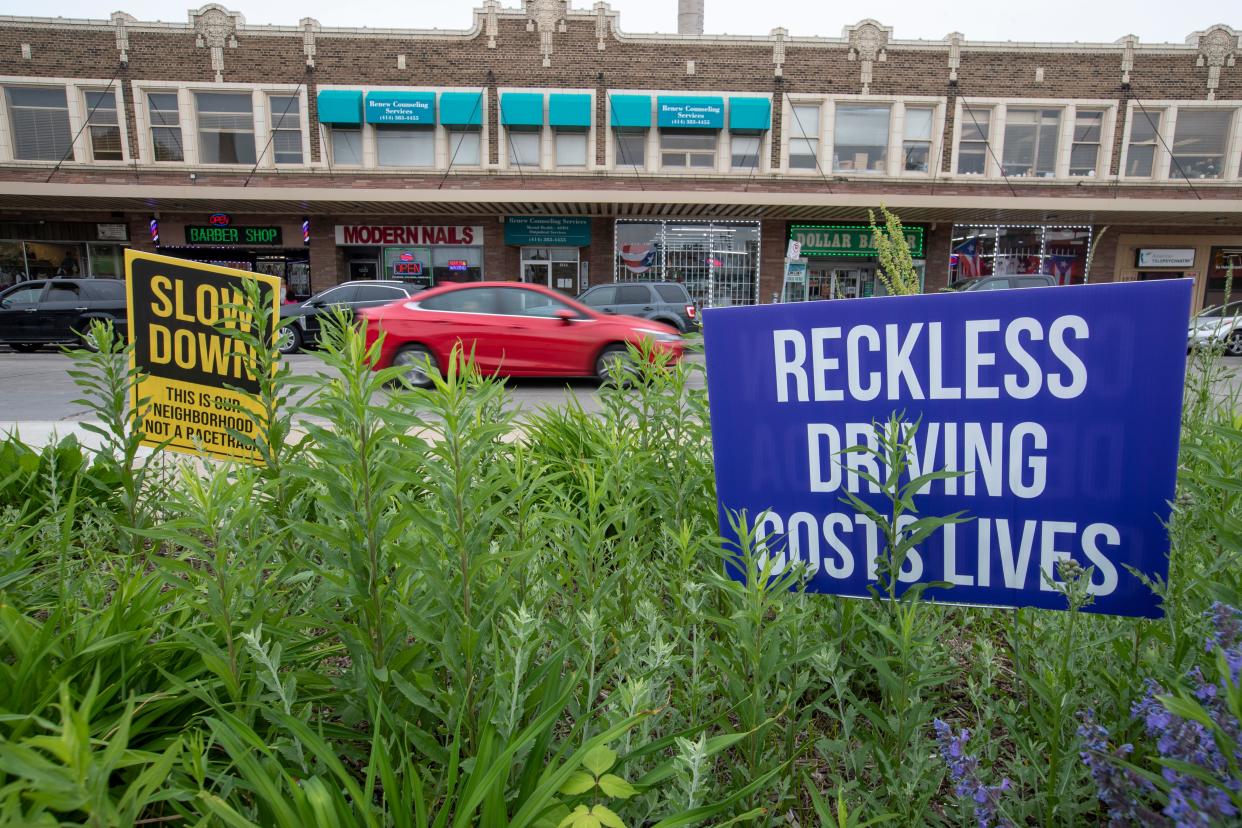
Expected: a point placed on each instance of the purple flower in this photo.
(964, 772)
(1119, 788)
(1227, 637)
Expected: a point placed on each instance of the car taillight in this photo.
(691, 310)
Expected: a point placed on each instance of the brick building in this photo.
(546, 143)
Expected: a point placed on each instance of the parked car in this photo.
(1222, 324)
(666, 302)
(303, 331)
(1025, 280)
(512, 329)
(59, 311)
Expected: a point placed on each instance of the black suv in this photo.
(666, 302)
(303, 331)
(59, 311)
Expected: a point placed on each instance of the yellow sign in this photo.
(198, 382)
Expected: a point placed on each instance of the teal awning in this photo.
(569, 111)
(401, 108)
(750, 114)
(521, 109)
(705, 112)
(630, 111)
(340, 106)
(461, 108)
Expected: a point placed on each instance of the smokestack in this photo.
(690, 17)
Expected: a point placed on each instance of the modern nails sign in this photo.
(1060, 407)
(368, 234)
(694, 113)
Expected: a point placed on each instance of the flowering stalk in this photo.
(968, 782)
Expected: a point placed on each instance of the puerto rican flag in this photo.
(638, 258)
(966, 256)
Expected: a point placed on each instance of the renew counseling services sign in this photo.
(197, 383)
(1061, 405)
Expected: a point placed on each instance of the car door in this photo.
(468, 317)
(60, 310)
(323, 305)
(634, 300)
(538, 343)
(18, 308)
(373, 296)
(602, 298)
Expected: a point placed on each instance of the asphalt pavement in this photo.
(37, 388)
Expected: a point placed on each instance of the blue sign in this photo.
(401, 108)
(695, 113)
(1061, 406)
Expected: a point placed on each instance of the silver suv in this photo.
(666, 302)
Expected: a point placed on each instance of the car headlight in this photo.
(657, 335)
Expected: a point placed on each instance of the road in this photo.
(37, 387)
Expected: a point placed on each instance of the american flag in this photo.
(638, 258)
(967, 257)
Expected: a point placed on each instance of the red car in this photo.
(514, 329)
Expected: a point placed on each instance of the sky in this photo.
(1046, 20)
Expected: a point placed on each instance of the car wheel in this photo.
(420, 365)
(87, 342)
(1233, 345)
(613, 364)
(25, 347)
(288, 340)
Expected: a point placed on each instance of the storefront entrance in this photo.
(292, 267)
(556, 267)
(828, 280)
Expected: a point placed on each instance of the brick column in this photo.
(936, 256)
(772, 240)
(327, 266)
(140, 232)
(600, 252)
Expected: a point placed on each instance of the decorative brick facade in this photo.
(546, 44)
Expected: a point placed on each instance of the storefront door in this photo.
(832, 281)
(555, 267)
(363, 269)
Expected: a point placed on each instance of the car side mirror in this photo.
(4, 303)
(565, 315)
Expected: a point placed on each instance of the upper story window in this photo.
(405, 146)
(286, 111)
(165, 119)
(916, 143)
(1199, 142)
(860, 141)
(687, 149)
(346, 142)
(804, 140)
(225, 127)
(465, 148)
(745, 151)
(571, 149)
(39, 123)
(524, 148)
(105, 126)
(1141, 154)
(1031, 142)
(974, 129)
(1085, 152)
(631, 148)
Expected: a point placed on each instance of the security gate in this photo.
(717, 261)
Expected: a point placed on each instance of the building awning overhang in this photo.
(27, 197)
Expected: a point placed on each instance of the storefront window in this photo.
(1223, 262)
(991, 250)
(456, 264)
(105, 127)
(39, 119)
(404, 146)
(408, 264)
(12, 263)
(717, 261)
(225, 127)
(48, 259)
(105, 261)
(860, 142)
(1199, 142)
